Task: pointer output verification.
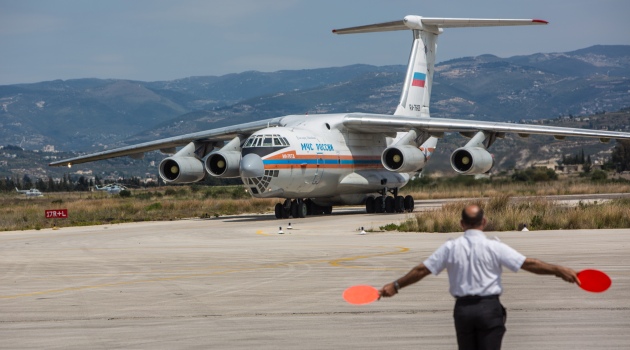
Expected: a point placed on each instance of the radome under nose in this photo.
(252, 166)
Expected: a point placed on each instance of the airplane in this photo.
(111, 188)
(33, 192)
(315, 162)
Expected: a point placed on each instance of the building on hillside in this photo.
(546, 164)
(559, 168)
(570, 168)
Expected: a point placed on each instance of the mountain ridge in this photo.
(91, 114)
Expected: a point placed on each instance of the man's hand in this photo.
(388, 290)
(567, 274)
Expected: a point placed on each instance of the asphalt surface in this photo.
(235, 283)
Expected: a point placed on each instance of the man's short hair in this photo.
(472, 221)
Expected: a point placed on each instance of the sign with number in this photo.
(57, 214)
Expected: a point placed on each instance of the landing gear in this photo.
(299, 208)
(370, 205)
(389, 204)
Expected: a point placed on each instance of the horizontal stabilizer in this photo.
(419, 23)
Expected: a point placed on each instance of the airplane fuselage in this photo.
(317, 158)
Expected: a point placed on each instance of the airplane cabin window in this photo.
(276, 142)
(267, 142)
(249, 142)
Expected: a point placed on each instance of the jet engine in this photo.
(224, 164)
(471, 160)
(403, 159)
(177, 169)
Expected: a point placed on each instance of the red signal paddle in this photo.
(361, 295)
(594, 281)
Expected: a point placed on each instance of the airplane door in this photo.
(319, 169)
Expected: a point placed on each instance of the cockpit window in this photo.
(266, 141)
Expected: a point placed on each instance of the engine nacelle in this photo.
(403, 159)
(224, 164)
(471, 160)
(177, 169)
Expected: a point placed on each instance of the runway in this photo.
(235, 283)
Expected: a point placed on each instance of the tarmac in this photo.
(235, 283)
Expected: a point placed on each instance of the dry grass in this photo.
(171, 203)
(506, 215)
(19, 213)
(493, 189)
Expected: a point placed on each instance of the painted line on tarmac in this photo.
(335, 263)
(341, 262)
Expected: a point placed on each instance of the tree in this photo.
(588, 164)
(621, 155)
(28, 183)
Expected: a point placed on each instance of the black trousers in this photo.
(479, 323)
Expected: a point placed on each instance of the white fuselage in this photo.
(323, 161)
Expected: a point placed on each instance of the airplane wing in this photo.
(379, 123)
(220, 134)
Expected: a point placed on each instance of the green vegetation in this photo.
(177, 202)
(97, 208)
(506, 215)
(528, 182)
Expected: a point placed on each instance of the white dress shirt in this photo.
(474, 263)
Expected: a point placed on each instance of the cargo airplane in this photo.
(313, 162)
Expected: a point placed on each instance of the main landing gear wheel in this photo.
(302, 209)
(389, 204)
(279, 210)
(369, 205)
(298, 208)
(409, 204)
(294, 208)
(378, 204)
(286, 209)
(399, 204)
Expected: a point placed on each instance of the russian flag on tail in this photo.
(418, 79)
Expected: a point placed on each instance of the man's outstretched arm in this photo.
(413, 276)
(542, 268)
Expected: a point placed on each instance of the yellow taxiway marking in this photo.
(336, 263)
(340, 262)
(262, 233)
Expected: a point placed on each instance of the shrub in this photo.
(154, 206)
(144, 196)
(599, 175)
(125, 193)
(389, 227)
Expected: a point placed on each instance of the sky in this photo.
(153, 40)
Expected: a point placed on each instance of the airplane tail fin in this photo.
(416, 92)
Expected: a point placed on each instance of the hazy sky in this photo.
(153, 40)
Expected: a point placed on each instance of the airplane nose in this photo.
(252, 166)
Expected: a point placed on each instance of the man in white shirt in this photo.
(474, 264)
